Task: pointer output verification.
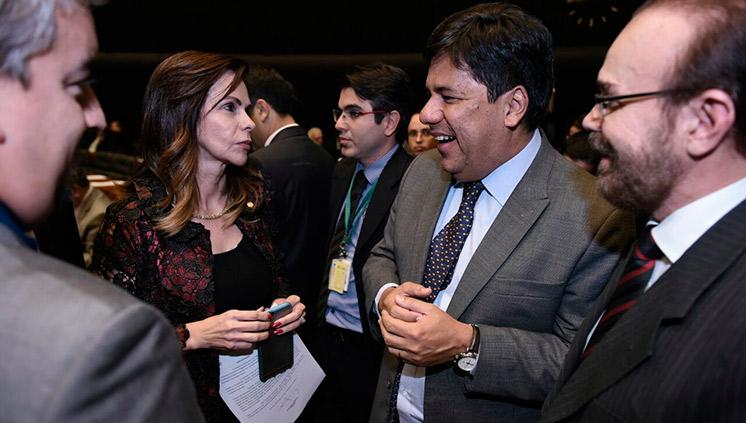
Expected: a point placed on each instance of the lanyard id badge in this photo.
(341, 266)
(339, 275)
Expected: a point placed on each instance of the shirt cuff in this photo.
(378, 297)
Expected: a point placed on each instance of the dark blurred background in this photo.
(313, 43)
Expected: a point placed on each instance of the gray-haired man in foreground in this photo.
(74, 348)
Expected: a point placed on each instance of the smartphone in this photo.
(276, 353)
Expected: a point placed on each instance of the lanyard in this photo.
(360, 209)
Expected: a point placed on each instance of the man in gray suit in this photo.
(75, 348)
(667, 344)
(510, 240)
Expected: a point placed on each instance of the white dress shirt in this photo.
(274, 134)
(682, 228)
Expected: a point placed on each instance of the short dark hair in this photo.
(266, 83)
(387, 88)
(715, 58)
(501, 46)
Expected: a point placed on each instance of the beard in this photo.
(638, 181)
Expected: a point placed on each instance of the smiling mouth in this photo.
(443, 139)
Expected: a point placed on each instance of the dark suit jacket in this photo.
(528, 284)
(678, 354)
(376, 216)
(58, 235)
(298, 173)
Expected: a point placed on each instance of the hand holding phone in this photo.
(276, 353)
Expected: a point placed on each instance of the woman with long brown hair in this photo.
(195, 236)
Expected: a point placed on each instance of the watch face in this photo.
(467, 363)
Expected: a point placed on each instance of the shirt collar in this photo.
(501, 182)
(682, 228)
(274, 134)
(373, 172)
(8, 219)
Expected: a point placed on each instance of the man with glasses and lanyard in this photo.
(665, 341)
(375, 104)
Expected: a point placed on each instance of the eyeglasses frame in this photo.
(359, 114)
(603, 101)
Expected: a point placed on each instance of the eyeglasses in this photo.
(612, 103)
(352, 114)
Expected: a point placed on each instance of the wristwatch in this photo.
(467, 360)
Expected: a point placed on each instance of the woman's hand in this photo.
(292, 320)
(232, 330)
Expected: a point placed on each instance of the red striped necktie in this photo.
(630, 287)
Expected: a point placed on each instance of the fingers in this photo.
(243, 340)
(403, 313)
(393, 331)
(400, 354)
(247, 315)
(413, 305)
(412, 289)
(242, 321)
(239, 340)
(293, 300)
(292, 320)
(407, 289)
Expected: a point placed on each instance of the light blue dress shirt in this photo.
(342, 309)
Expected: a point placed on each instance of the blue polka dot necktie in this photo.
(441, 261)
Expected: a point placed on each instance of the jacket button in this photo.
(388, 383)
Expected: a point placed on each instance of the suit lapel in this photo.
(631, 340)
(383, 196)
(285, 136)
(433, 199)
(342, 179)
(523, 208)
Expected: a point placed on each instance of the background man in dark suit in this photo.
(375, 104)
(665, 342)
(506, 236)
(299, 174)
(75, 348)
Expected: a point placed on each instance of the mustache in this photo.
(601, 144)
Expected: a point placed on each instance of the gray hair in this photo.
(27, 27)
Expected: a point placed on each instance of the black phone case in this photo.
(275, 355)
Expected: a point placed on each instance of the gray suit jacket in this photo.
(78, 349)
(678, 354)
(533, 278)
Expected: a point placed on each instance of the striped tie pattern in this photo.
(441, 261)
(630, 287)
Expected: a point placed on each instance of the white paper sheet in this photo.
(280, 399)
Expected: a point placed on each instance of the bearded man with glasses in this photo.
(669, 125)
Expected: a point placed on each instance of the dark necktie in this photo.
(358, 186)
(441, 261)
(630, 287)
